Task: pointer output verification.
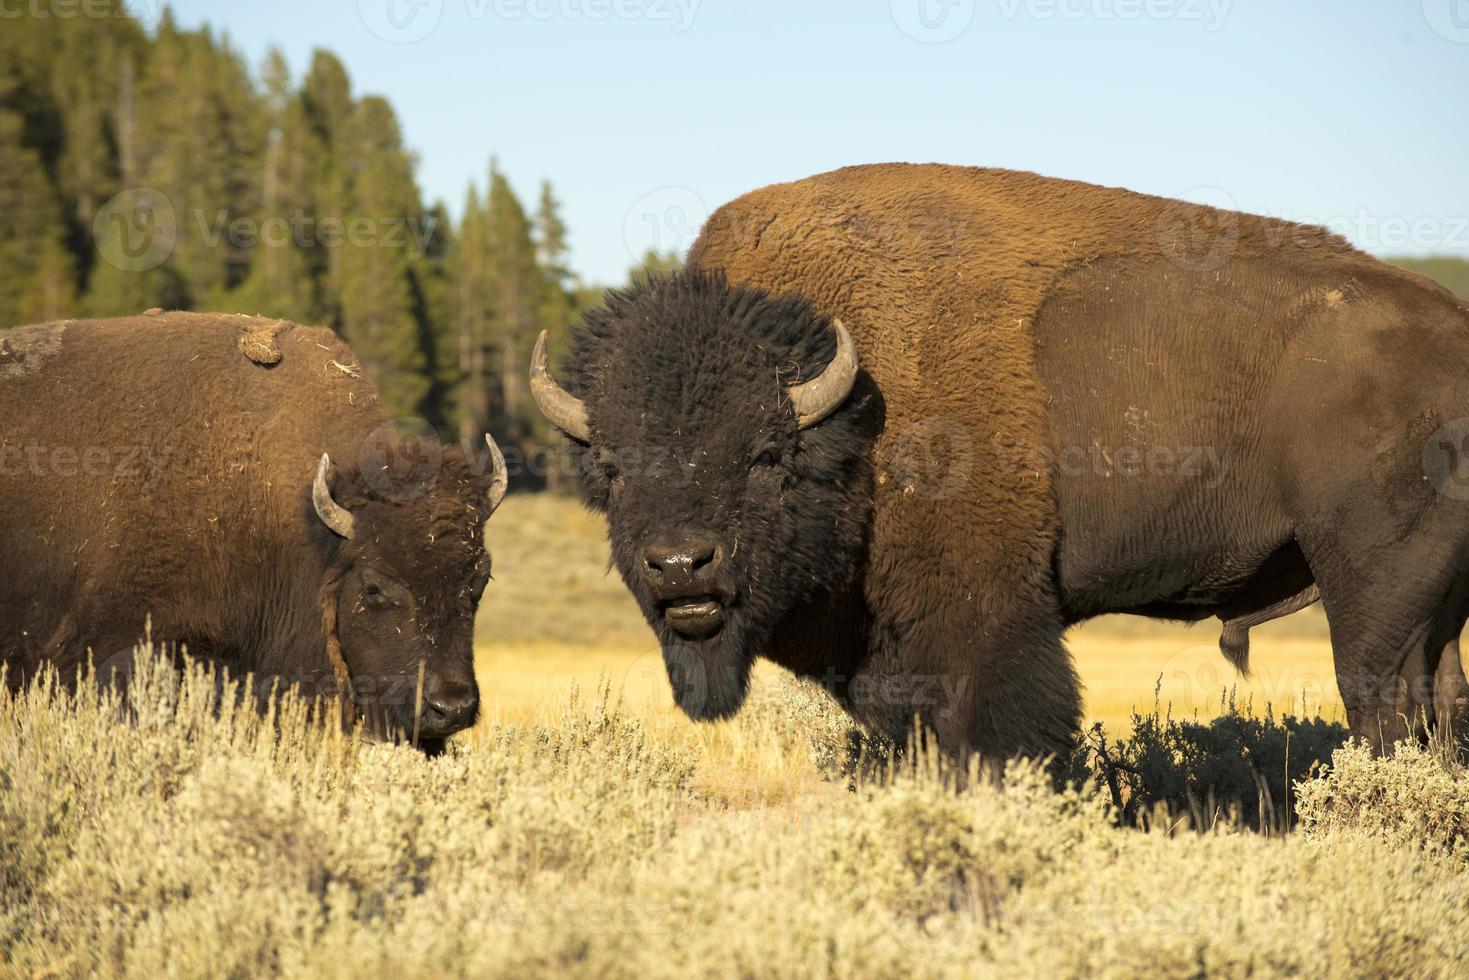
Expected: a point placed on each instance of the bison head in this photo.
(408, 569)
(717, 429)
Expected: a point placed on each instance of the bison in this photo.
(897, 427)
(236, 482)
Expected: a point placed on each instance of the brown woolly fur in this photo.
(1014, 330)
(159, 468)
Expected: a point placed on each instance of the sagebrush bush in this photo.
(180, 836)
(1413, 798)
(1236, 767)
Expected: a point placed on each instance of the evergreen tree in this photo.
(36, 283)
(280, 282)
(558, 303)
(377, 300)
(433, 294)
(516, 290)
(162, 174)
(327, 108)
(654, 262)
(468, 400)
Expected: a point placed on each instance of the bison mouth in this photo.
(694, 617)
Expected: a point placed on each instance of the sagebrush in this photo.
(180, 835)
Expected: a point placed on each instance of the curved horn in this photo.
(332, 514)
(565, 411)
(814, 400)
(499, 475)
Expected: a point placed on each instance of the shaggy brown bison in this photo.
(1072, 400)
(236, 480)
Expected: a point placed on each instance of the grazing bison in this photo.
(1072, 400)
(236, 481)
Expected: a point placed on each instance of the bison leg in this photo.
(1391, 626)
(1451, 694)
(993, 693)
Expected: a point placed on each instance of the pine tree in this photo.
(327, 109)
(433, 299)
(558, 303)
(654, 263)
(515, 290)
(469, 396)
(297, 201)
(37, 273)
(280, 280)
(376, 291)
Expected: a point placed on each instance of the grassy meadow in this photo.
(584, 829)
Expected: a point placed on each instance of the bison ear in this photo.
(331, 513)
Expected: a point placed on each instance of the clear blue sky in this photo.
(645, 113)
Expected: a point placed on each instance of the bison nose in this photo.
(448, 709)
(691, 561)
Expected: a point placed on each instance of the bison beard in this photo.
(709, 681)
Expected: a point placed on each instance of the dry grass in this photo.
(181, 836)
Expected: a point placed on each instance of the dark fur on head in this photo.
(684, 379)
(408, 582)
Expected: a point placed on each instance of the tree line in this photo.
(156, 169)
(147, 169)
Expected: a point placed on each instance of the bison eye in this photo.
(768, 457)
(374, 597)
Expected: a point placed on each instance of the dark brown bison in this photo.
(236, 481)
(1072, 400)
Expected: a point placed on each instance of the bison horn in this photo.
(332, 514)
(814, 400)
(565, 411)
(499, 475)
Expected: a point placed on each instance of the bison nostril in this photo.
(449, 712)
(679, 563)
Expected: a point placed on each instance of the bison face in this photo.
(717, 430)
(408, 574)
